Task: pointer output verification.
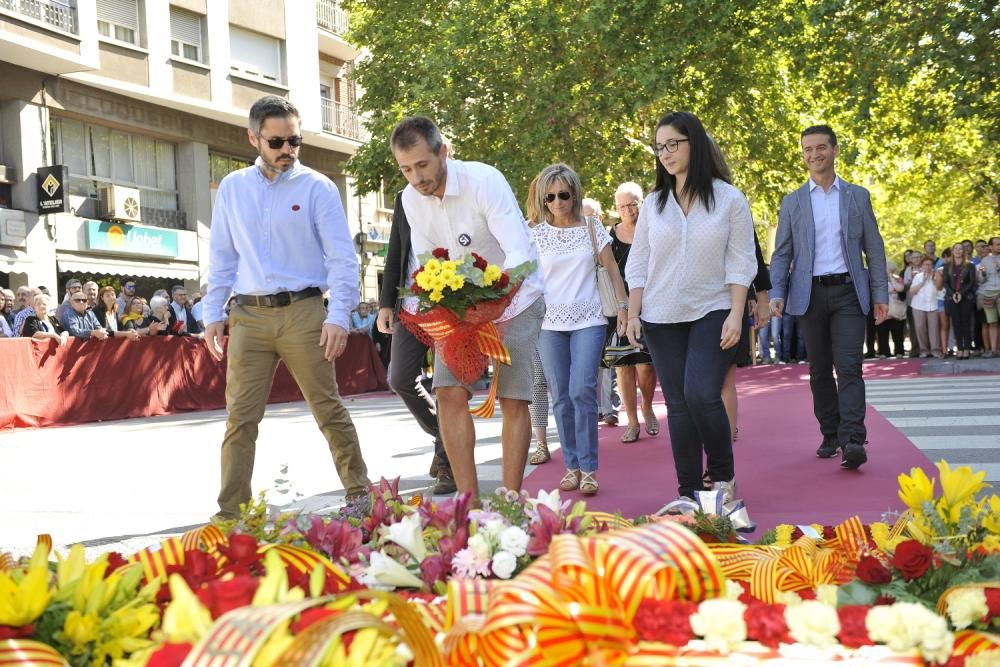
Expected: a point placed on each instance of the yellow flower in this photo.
(991, 521)
(991, 543)
(186, 619)
(436, 296)
(433, 266)
(783, 535)
(491, 274)
(273, 588)
(915, 489)
(457, 282)
(424, 280)
(959, 488)
(126, 632)
(79, 630)
(274, 647)
(880, 534)
(23, 598)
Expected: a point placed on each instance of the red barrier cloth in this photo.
(88, 381)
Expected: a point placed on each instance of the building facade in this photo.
(142, 105)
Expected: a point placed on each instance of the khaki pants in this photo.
(258, 338)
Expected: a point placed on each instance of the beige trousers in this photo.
(258, 338)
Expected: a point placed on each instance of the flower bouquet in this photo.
(459, 302)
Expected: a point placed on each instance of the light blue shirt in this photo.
(828, 252)
(366, 322)
(277, 236)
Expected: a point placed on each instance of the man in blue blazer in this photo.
(817, 267)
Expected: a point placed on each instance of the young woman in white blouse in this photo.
(573, 331)
(691, 262)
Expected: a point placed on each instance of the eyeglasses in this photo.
(634, 204)
(550, 197)
(277, 142)
(79, 300)
(670, 146)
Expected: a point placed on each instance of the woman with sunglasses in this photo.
(573, 331)
(691, 263)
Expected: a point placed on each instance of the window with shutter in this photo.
(254, 54)
(185, 34)
(119, 20)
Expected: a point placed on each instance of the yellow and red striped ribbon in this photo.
(156, 560)
(29, 653)
(971, 642)
(6, 562)
(305, 560)
(207, 537)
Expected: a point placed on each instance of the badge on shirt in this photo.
(464, 240)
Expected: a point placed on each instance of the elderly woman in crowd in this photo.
(106, 313)
(628, 199)
(573, 331)
(43, 325)
(923, 304)
(691, 263)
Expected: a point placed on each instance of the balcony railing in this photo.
(330, 17)
(60, 14)
(339, 118)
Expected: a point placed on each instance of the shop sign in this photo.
(118, 237)
(51, 183)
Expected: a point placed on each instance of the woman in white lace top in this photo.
(573, 332)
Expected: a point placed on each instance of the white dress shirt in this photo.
(923, 297)
(828, 252)
(277, 236)
(685, 264)
(478, 213)
(180, 314)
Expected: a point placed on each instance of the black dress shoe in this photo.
(435, 462)
(827, 450)
(445, 482)
(854, 456)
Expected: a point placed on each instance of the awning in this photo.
(10, 258)
(129, 267)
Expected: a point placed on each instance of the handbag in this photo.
(619, 352)
(897, 308)
(606, 290)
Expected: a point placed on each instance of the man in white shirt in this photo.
(279, 239)
(469, 207)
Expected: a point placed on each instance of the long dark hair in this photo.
(702, 167)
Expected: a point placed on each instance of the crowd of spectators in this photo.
(88, 311)
(939, 306)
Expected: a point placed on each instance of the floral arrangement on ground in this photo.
(527, 581)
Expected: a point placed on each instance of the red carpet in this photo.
(777, 472)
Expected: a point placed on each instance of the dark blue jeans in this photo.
(691, 368)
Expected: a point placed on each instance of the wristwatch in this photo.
(623, 305)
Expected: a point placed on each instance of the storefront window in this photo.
(97, 156)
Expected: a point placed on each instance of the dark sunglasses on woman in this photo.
(565, 196)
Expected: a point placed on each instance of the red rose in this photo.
(479, 262)
(169, 655)
(912, 559)
(853, 632)
(504, 280)
(766, 624)
(871, 571)
(884, 600)
(223, 596)
(440, 253)
(310, 616)
(21, 632)
(993, 602)
(115, 561)
(829, 532)
(665, 621)
(807, 594)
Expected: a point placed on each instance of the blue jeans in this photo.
(764, 341)
(692, 367)
(571, 360)
(790, 324)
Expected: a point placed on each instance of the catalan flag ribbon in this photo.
(28, 652)
(466, 344)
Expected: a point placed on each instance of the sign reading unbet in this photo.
(130, 240)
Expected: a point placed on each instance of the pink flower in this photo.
(336, 539)
(465, 565)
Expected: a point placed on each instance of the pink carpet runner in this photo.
(777, 472)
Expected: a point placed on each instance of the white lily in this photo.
(390, 572)
(550, 500)
(408, 534)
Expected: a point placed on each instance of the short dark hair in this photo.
(412, 129)
(270, 106)
(820, 129)
(177, 288)
(73, 281)
(993, 238)
(929, 241)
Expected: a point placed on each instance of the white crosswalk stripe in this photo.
(955, 418)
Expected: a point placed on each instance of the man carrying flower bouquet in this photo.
(279, 240)
(463, 208)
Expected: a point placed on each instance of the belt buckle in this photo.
(282, 299)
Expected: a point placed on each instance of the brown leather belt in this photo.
(279, 300)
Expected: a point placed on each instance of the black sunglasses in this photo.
(79, 301)
(565, 196)
(277, 142)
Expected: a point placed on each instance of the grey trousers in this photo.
(407, 359)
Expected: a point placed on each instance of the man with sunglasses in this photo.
(469, 207)
(279, 239)
(79, 320)
(128, 291)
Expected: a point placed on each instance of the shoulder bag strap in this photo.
(593, 242)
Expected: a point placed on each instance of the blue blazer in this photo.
(792, 259)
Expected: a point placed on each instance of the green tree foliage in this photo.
(911, 88)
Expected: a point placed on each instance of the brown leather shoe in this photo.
(435, 462)
(445, 482)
